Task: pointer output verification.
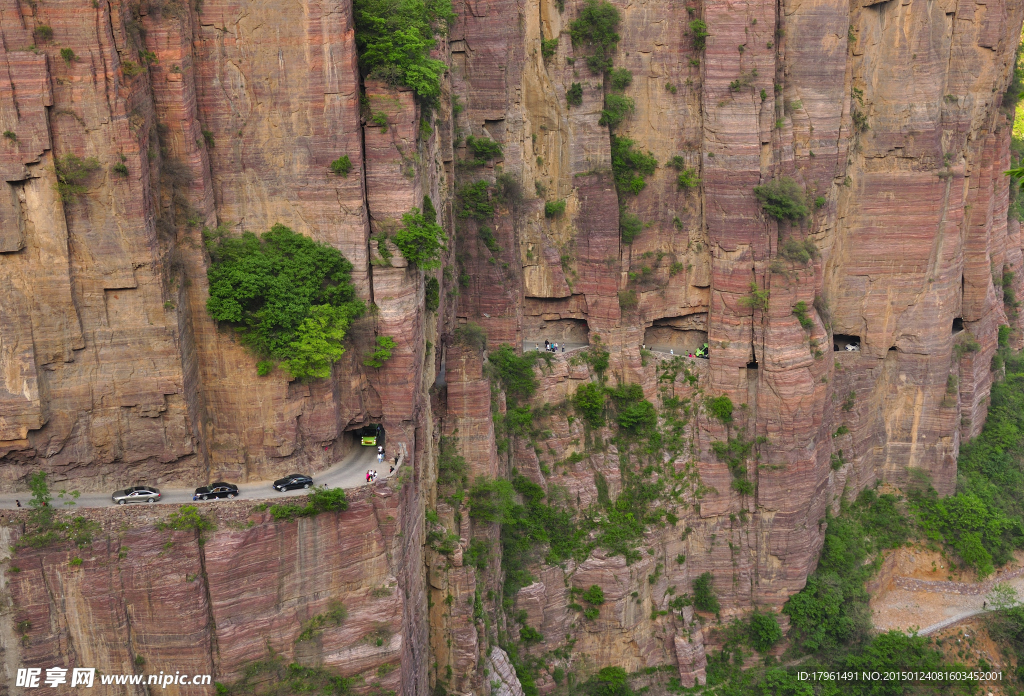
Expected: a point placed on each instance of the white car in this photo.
(853, 347)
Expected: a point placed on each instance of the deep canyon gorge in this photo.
(888, 117)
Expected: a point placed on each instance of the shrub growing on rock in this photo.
(471, 335)
(720, 407)
(475, 201)
(574, 95)
(484, 150)
(616, 109)
(699, 29)
(342, 165)
(589, 402)
(382, 353)
(593, 595)
(595, 32)
(704, 597)
(72, 171)
(554, 208)
(782, 199)
(420, 240)
(321, 499)
(630, 166)
(620, 79)
(288, 297)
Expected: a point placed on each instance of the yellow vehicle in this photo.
(371, 435)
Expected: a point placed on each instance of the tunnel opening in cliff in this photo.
(845, 342)
(558, 330)
(683, 334)
(958, 325)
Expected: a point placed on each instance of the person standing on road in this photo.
(18, 502)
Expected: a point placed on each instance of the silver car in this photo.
(136, 494)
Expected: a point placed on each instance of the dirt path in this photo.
(910, 602)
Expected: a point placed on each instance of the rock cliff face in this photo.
(141, 599)
(887, 115)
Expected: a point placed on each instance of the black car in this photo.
(293, 481)
(216, 490)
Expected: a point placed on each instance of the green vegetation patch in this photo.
(273, 677)
(782, 199)
(334, 616)
(483, 149)
(288, 297)
(616, 108)
(473, 201)
(382, 352)
(589, 401)
(187, 518)
(595, 31)
(421, 239)
(515, 372)
(630, 166)
(574, 95)
(320, 499)
(72, 171)
(982, 522)
(395, 38)
(830, 615)
(45, 527)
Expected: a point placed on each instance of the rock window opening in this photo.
(845, 343)
(958, 325)
(686, 335)
(569, 334)
(752, 365)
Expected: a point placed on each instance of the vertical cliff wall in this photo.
(886, 115)
(889, 118)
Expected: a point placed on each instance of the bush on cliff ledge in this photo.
(288, 297)
(395, 38)
(321, 499)
(421, 240)
(782, 199)
(595, 31)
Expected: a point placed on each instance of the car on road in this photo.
(371, 435)
(292, 481)
(220, 489)
(136, 494)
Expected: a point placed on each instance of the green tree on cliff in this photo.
(395, 37)
(421, 239)
(289, 298)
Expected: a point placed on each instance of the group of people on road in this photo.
(550, 347)
(371, 474)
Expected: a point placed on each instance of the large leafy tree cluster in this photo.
(289, 298)
(395, 38)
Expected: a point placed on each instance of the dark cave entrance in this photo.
(845, 343)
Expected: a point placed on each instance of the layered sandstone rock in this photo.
(887, 115)
(144, 599)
